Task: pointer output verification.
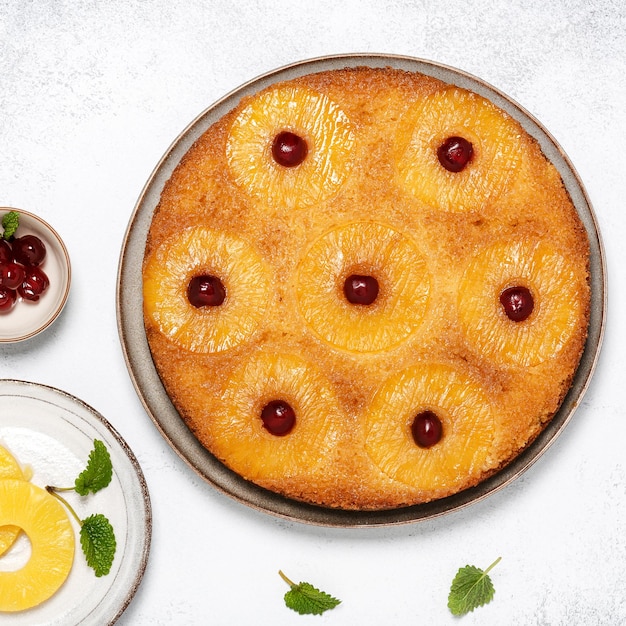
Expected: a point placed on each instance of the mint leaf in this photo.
(306, 599)
(98, 473)
(471, 588)
(96, 533)
(98, 542)
(10, 222)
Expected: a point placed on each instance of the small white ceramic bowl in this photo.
(27, 319)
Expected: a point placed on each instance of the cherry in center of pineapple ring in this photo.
(360, 289)
(205, 290)
(455, 153)
(426, 429)
(278, 417)
(517, 302)
(289, 149)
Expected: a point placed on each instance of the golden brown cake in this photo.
(366, 289)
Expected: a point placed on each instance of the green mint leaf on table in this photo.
(98, 542)
(306, 599)
(10, 222)
(470, 589)
(98, 473)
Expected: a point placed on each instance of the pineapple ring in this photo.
(548, 275)
(374, 249)
(455, 112)
(51, 536)
(461, 455)
(208, 329)
(237, 431)
(330, 138)
(9, 468)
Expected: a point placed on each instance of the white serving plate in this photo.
(53, 433)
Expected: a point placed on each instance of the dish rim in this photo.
(156, 402)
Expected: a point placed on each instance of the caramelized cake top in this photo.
(366, 289)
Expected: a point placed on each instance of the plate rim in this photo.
(145, 378)
(145, 493)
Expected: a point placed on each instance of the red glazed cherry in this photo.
(11, 275)
(518, 303)
(34, 284)
(6, 254)
(7, 299)
(288, 149)
(360, 289)
(278, 417)
(28, 250)
(455, 153)
(426, 429)
(206, 290)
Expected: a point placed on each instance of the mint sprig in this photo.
(98, 473)
(97, 537)
(470, 589)
(10, 222)
(97, 540)
(305, 599)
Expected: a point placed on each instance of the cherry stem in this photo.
(53, 491)
(289, 582)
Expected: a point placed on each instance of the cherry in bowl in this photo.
(28, 250)
(34, 285)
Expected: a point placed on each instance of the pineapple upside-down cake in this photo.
(366, 289)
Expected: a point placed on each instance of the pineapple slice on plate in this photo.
(368, 250)
(9, 468)
(290, 147)
(219, 259)
(456, 151)
(51, 536)
(557, 288)
(248, 427)
(466, 422)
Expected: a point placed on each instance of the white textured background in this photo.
(92, 94)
